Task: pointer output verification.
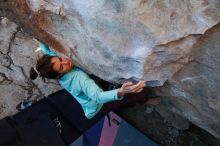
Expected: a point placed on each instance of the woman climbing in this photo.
(90, 96)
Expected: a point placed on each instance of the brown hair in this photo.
(44, 69)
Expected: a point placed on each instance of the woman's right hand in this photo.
(129, 87)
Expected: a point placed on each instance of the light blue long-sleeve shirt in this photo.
(90, 96)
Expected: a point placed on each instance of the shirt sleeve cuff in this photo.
(117, 96)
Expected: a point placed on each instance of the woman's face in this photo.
(61, 65)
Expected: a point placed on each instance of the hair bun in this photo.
(33, 73)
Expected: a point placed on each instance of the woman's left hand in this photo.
(131, 88)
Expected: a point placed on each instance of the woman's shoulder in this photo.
(80, 72)
(76, 71)
(73, 76)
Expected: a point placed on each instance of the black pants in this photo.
(128, 100)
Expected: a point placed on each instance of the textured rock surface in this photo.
(16, 57)
(119, 40)
(194, 91)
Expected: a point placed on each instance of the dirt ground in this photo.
(156, 128)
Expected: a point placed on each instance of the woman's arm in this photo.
(94, 92)
(46, 50)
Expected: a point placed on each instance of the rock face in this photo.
(120, 40)
(194, 92)
(16, 58)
